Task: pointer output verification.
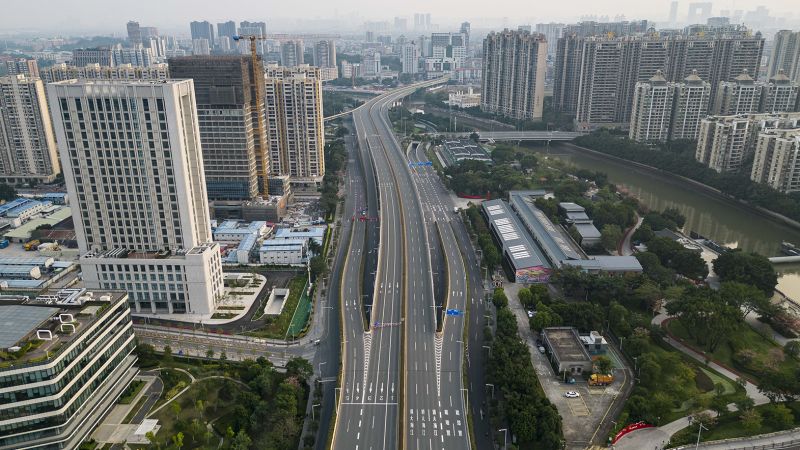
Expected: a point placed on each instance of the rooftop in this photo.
(566, 344)
(556, 245)
(17, 321)
(515, 241)
(24, 231)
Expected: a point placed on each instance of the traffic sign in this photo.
(453, 312)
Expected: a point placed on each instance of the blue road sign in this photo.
(453, 312)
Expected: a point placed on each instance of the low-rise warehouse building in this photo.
(576, 216)
(23, 232)
(284, 252)
(566, 351)
(234, 231)
(301, 233)
(522, 260)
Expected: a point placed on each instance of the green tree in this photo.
(151, 438)
(750, 420)
(167, 353)
(210, 353)
(778, 416)
(242, 441)
(643, 234)
(177, 440)
(299, 367)
(200, 406)
(603, 364)
(529, 162)
(7, 192)
(176, 408)
(491, 257)
(674, 215)
(499, 298)
(747, 268)
(525, 297)
(745, 298)
(318, 266)
(792, 349)
(610, 236)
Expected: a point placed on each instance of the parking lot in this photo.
(580, 416)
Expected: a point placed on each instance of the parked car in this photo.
(571, 394)
(530, 314)
(541, 349)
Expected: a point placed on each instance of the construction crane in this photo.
(258, 93)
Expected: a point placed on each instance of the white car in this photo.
(571, 394)
(531, 314)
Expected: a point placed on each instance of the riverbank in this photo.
(708, 190)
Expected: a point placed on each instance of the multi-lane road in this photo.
(402, 384)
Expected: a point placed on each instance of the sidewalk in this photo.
(780, 440)
(655, 438)
(750, 388)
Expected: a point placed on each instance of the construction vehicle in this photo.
(31, 245)
(598, 379)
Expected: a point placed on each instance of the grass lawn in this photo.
(730, 426)
(131, 391)
(174, 382)
(276, 328)
(766, 350)
(215, 394)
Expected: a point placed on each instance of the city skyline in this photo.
(174, 17)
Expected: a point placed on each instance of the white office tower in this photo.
(325, 53)
(514, 66)
(777, 159)
(785, 55)
(722, 144)
(27, 144)
(295, 126)
(201, 47)
(409, 57)
(741, 96)
(652, 110)
(779, 94)
(692, 100)
(133, 166)
(371, 64)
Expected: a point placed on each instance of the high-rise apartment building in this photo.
(134, 33)
(552, 31)
(780, 94)
(22, 66)
(514, 66)
(133, 166)
(292, 53)
(723, 142)
(79, 359)
(61, 72)
(777, 159)
(371, 64)
(295, 122)
(325, 53)
(692, 100)
(201, 47)
(595, 75)
(785, 55)
(227, 29)
(465, 30)
(652, 110)
(253, 28)
(202, 30)
(740, 96)
(27, 143)
(231, 119)
(409, 58)
(137, 55)
(85, 56)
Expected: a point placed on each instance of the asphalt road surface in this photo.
(402, 382)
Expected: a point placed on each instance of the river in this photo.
(725, 222)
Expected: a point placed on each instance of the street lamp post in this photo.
(699, 430)
(492, 386)
(320, 367)
(505, 437)
(312, 410)
(490, 350)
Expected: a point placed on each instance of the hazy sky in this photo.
(52, 16)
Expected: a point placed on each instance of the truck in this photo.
(31, 245)
(3, 243)
(598, 379)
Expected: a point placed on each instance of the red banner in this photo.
(629, 428)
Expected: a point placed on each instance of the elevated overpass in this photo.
(493, 136)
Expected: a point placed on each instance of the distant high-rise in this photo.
(552, 31)
(134, 33)
(61, 72)
(400, 24)
(325, 53)
(652, 110)
(22, 66)
(85, 56)
(253, 28)
(139, 205)
(409, 58)
(226, 29)
(201, 47)
(785, 55)
(295, 122)
(202, 30)
(371, 64)
(779, 94)
(699, 12)
(722, 143)
(777, 159)
(148, 33)
(465, 30)
(27, 144)
(673, 13)
(231, 119)
(292, 53)
(514, 66)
